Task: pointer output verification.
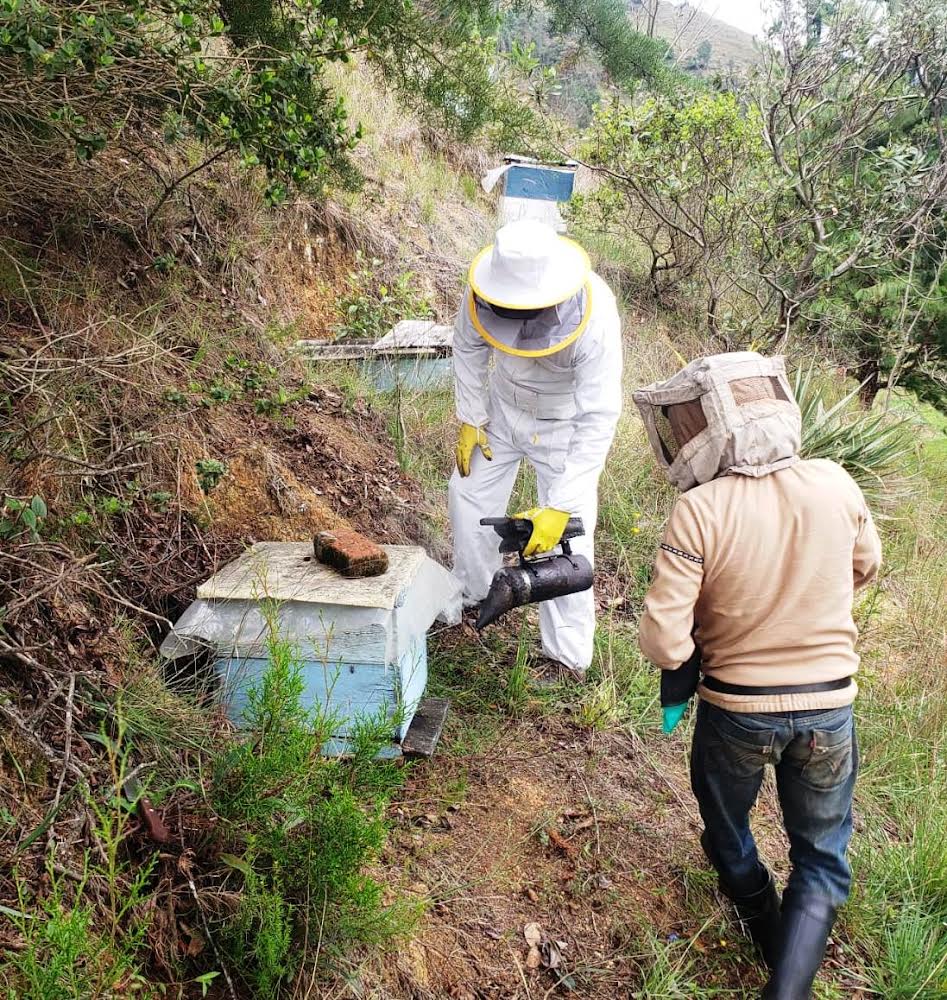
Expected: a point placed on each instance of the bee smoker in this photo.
(539, 578)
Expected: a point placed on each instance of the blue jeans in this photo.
(815, 755)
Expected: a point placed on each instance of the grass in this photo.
(409, 187)
(897, 918)
(83, 932)
(65, 956)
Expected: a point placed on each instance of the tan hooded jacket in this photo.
(765, 563)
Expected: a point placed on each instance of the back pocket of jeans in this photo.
(745, 750)
(830, 758)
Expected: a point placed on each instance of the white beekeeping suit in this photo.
(553, 397)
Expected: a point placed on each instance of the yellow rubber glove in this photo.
(470, 437)
(548, 526)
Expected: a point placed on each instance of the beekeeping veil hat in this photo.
(727, 414)
(531, 269)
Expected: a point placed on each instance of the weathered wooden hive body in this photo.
(362, 642)
(413, 354)
(532, 190)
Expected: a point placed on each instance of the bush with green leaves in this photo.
(852, 233)
(19, 517)
(126, 78)
(65, 955)
(84, 931)
(681, 179)
(159, 89)
(809, 204)
(371, 304)
(210, 471)
(303, 826)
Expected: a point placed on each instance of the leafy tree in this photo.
(579, 75)
(627, 56)
(106, 83)
(818, 212)
(701, 58)
(852, 233)
(680, 178)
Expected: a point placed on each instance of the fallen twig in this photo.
(67, 748)
(207, 934)
(10, 713)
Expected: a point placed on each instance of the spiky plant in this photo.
(873, 447)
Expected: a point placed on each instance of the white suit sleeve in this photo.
(598, 406)
(471, 362)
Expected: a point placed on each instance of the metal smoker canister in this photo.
(533, 581)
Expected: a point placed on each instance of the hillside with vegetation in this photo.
(188, 190)
(684, 38)
(701, 42)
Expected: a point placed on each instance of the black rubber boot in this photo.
(759, 912)
(806, 923)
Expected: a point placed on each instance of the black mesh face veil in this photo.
(678, 424)
(535, 332)
(502, 311)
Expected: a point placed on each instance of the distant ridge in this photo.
(685, 26)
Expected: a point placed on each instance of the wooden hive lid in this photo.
(288, 571)
(416, 334)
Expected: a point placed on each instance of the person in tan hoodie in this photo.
(753, 586)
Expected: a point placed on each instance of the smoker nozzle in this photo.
(532, 582)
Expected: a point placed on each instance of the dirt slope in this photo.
(591, 836)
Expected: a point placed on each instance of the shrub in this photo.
(22, 517)
(100, 95)
(305, 824)
(128, 78)
(371, 306)
(682, 174)
(870, 446)
(210, 471)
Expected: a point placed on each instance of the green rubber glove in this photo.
(677, 689)
(671, 716)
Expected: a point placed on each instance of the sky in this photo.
(745, 14)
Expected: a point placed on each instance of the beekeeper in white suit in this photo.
(553, 397)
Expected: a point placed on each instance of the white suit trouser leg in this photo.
(567, 624)
(484, 493)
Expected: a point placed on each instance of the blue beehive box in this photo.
(539, 182)
(534, 190)
(362, 642)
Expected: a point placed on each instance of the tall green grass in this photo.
(896, 920)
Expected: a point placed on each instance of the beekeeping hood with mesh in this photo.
(727, 414)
